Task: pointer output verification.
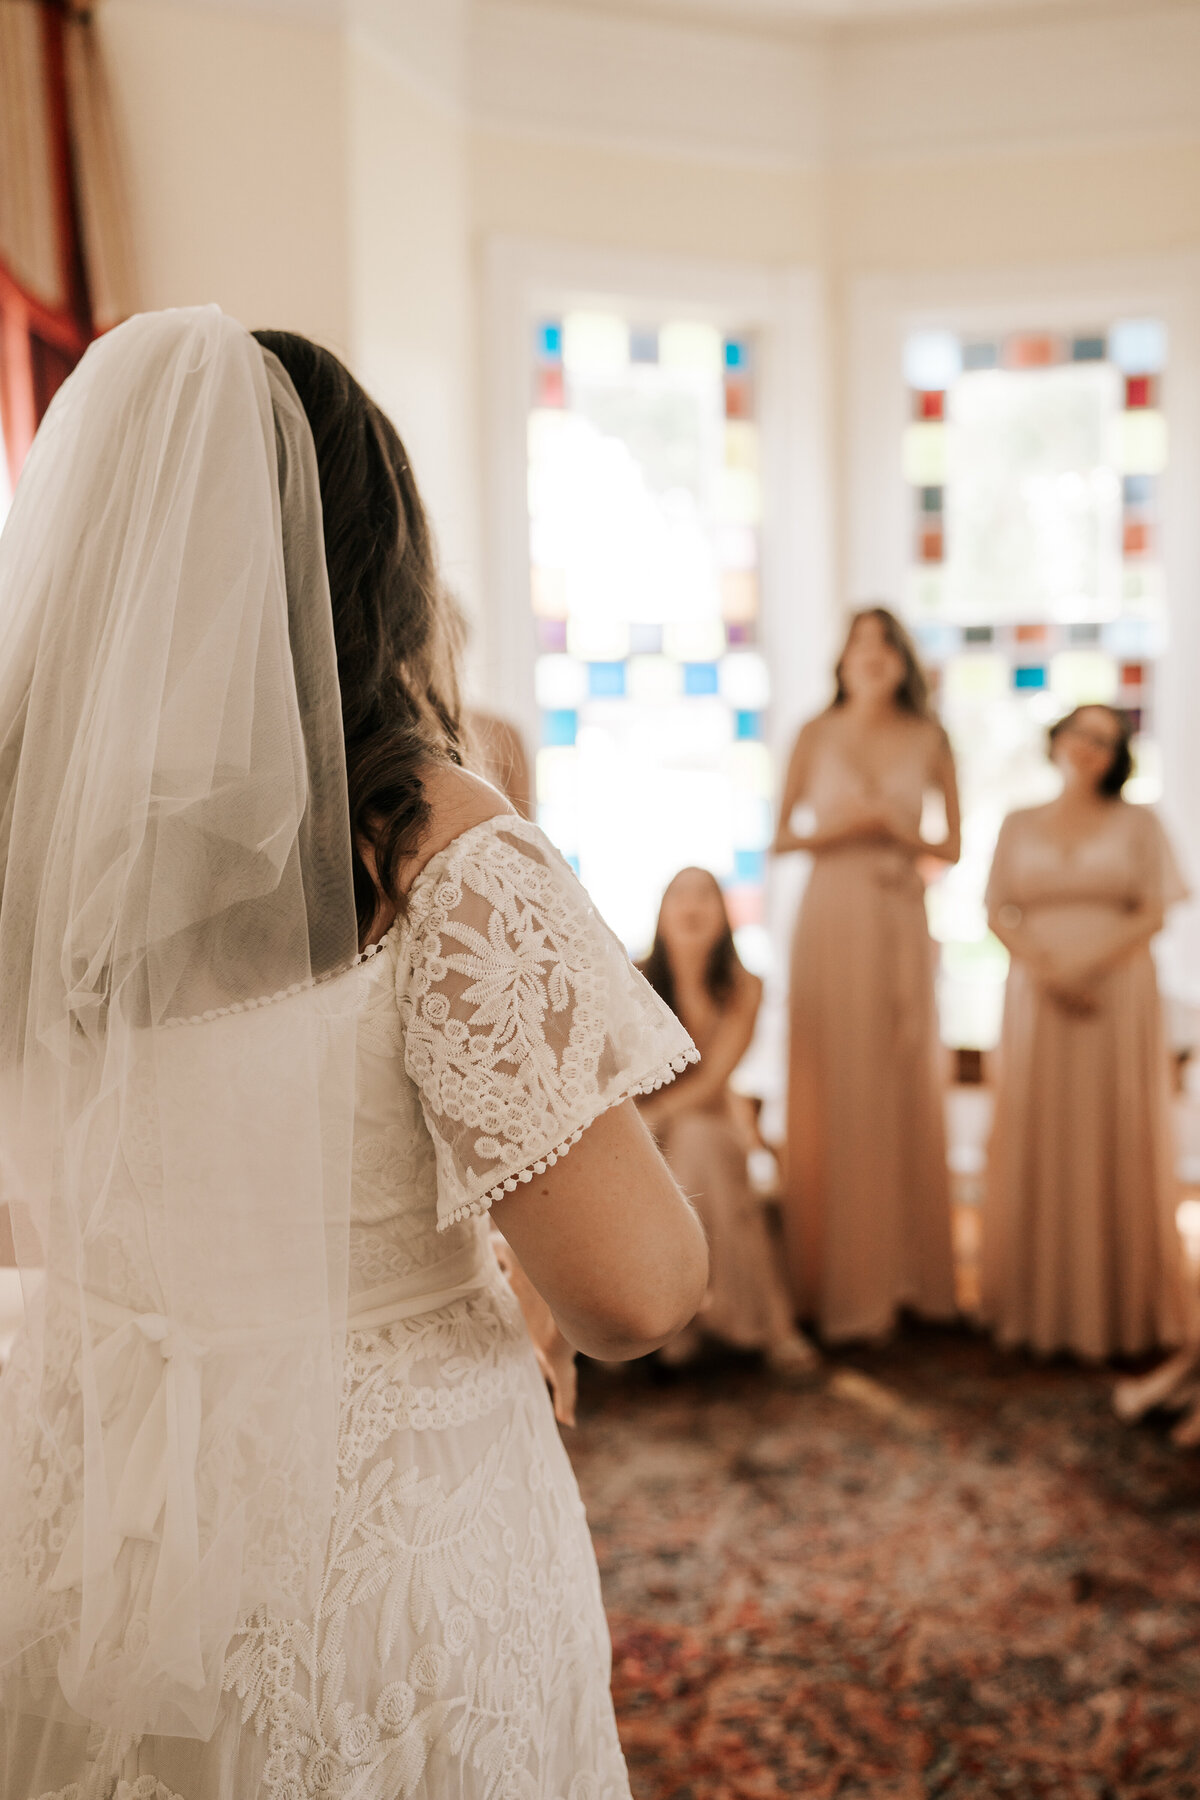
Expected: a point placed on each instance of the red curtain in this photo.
(48, 95)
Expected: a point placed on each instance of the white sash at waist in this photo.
(148, 1388)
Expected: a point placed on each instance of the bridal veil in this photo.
(176, 1053)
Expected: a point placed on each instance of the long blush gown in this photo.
(459, 1650)
(867, 1196)
(1080, 1248)
(747, 1304)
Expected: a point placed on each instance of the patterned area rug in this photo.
(941, 1572)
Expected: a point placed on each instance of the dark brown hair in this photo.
(721, 972)
(1121, 767)
(397, 629)
(913, 692)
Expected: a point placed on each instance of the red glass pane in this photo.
(930, 547)
(1032, 352)
(1136, 537)
(1139, 390)
(549, 389)
(931, 406)
(1132, 674)
(739, 399)
(1031, 634)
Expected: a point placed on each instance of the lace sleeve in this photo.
(524, 1018)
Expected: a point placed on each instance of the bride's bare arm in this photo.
(608, 1240)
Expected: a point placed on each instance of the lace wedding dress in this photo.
(459, 1647)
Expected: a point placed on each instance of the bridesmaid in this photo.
(1080, 1247)
(867, 1197)
(695, 967)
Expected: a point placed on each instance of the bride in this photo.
(288, 1002)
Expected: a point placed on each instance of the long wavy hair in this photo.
(1120, 768)
(913, 693)
(399, 632)
(724, 963)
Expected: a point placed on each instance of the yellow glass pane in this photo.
(975, 678)
(749, 767)
(739, 497)
(597, 639)
(1080, 677)
(684, 344)
(741, 445)
(655, 679)
(695, 640)
(923, 454)
(1141, 442)
(595, 343)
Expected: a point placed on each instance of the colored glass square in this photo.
(929, 406)
(549, 389)
(981, 356)
(560, 725)
(932, 499)
(747, 724)
(739, 398)
(745, 906)
(737, 353)
(1132, 674)
(551, 635)
(643, 344)
(645, 640)
(923, 453)
(1083, 634)
(1081, 677)
(1141, 441)
(1138, 346)
(739, 595)
(1031, 350)
(606, 680)
(1135, 537)
(548, 590)
(930, 546)
(1137, 490)
(1088, 349)
(1139, 390)
(932, 359)
(1135, 715)
(699, 678)
(549, 340)
(1029, 676)
(978, 634)
(741, 636)
(573, 864)
(1031, 634)
(749, 866)
(937, 642)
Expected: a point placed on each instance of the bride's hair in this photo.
(398, 630)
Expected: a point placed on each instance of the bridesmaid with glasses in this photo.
(867, 1197)
(1080, 1247)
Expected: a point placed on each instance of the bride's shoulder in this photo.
(458, 801)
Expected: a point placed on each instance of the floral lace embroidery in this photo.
(524, 1018)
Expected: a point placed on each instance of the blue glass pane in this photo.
(981, 356)
(549, 340)
(606, 680)
(1088, 349)
(643, 345)
(937, 642)
(645, 640)
(699, 678)
(747, 724)
(560, 725)
(1137, 490)
(1033, 675)
(932, 360)
(737, 354)
(573, 862)
(1139, 346)
(749, 866)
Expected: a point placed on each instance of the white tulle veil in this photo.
(176, 1059)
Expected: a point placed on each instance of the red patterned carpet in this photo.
(943, 1572)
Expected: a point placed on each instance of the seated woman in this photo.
(694, 966)
(1080, 1247)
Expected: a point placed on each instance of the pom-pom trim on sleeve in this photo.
(662, 1077)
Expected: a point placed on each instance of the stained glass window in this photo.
(1035, 584)
(644, 514)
